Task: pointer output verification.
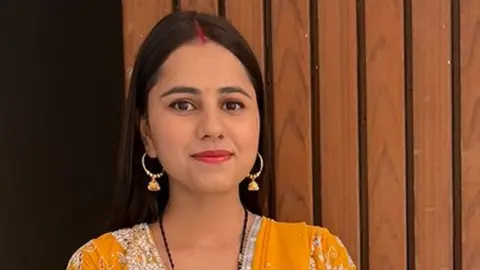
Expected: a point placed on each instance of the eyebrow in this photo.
(181, 90)
(195, 91)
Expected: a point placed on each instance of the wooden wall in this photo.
(377, 119)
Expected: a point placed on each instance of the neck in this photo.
(206, 219)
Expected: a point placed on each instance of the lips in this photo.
(213, 156)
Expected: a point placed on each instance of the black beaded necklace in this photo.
(240, 253)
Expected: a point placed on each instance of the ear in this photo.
(147, 138)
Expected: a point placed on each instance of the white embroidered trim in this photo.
(250, 245)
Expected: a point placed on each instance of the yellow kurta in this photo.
(269, 245)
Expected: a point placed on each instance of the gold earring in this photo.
(153, 184)
(253, 186)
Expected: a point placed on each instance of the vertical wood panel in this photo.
(385, 133)
(207, 6)
(432, 134)
(292, 128)
(338, 120)
(139, 16)
(247, 16)
(470, 130)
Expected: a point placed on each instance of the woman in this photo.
(196, 146)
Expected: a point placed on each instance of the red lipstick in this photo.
(213, 156)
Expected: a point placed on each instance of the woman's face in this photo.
(203, 120)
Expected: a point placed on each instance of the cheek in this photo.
(169, 136)
(245, 133)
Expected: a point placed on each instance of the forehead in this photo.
(205, 66)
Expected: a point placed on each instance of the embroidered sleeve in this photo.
(84, 257)
(329, 253)
(88, 257)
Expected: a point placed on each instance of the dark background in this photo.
(61, 94)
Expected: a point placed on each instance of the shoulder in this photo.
(94, 253)
(107, 250)
(325, 250)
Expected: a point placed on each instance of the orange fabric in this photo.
(99, 253)
(299, 246)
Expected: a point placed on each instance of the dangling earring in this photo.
(253, 186)
(153, 184)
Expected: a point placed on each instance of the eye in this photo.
(233, 105)
(182, 105)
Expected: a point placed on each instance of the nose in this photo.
(210, 125)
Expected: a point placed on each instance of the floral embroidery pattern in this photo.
(331, 257)
(140, 250)
(77, 261)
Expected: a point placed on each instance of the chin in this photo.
(212, 184)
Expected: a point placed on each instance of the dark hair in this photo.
(133, 202)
